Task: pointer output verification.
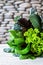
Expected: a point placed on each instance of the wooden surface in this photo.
(9, 59)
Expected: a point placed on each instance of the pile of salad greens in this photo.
(26, 39)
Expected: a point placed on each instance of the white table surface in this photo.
(9, 59)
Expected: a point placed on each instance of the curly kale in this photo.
(35, 40)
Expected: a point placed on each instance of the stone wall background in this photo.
(12, 8)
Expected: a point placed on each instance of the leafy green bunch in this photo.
(26, 39)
